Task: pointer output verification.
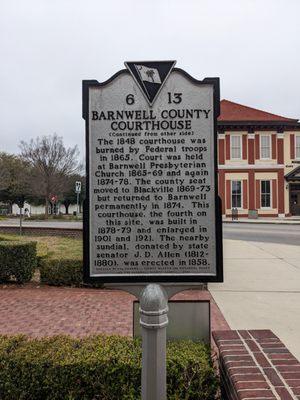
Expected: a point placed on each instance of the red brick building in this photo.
(259, 162)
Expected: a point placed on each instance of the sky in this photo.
(48, 47)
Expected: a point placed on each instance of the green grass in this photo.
(51, 246)
(62, 217)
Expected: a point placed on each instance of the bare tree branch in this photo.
(52, 164)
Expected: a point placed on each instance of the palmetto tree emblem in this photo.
(150, 74)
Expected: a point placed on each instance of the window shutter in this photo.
(244, 147)
(274, 145)
(292, 145)
(251, 150)
(221, 151)
(280, 150)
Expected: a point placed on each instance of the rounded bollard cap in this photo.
(154, 300)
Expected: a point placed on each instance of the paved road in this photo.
(272, 233)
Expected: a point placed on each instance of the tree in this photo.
(15, 186)
(4, 174)
(69, 196)
(52, 165)
(14, 178)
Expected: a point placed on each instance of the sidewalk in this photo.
(261, 289)
(47, 311)
(271, 220)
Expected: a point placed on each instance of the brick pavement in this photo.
(46, 311)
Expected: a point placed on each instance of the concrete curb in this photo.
(262, 222)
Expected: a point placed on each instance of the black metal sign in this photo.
(152, 211)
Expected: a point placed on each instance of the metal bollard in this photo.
(154, 321)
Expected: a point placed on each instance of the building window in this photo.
(236, 194)
(297, 145)
(265, 146)
(265, 194)
(235, 147)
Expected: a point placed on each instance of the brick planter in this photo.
(255, 364)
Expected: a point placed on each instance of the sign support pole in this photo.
(20, 221)
(154, 321)
(153, 298)
(77, 208)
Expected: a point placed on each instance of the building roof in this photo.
(235, 112)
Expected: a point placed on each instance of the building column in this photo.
(251, 157)
(251, 190)
(274, 193)
(281, 190)
(222, 189)
(245, 194)
(228, 195)
(257, 194)
(227, 147)
(257, 147)
(280, 180)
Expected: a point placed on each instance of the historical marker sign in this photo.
(152, 211)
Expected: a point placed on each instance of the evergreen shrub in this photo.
(61, 272)
(17, 260)
(98, 367)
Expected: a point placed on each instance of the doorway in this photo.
(295, 198)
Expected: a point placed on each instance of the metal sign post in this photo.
(154, 321)
(53, 199)
(152, 217)
(20, 202)
(154, 309)
(21, 218)
(77, 191)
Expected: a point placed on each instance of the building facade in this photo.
(39, 210)
(258, 162)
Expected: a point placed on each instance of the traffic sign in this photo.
(77, 187)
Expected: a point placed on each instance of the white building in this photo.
(35, 210)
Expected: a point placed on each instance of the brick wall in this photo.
(39, 231)
(255, 364)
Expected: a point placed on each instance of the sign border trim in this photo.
(140, 278)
